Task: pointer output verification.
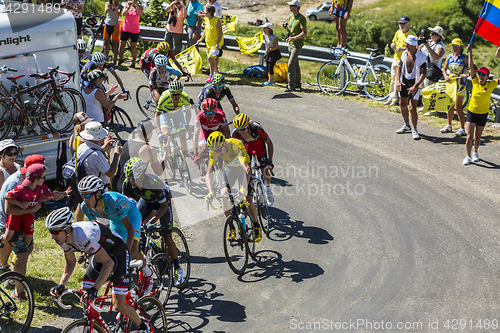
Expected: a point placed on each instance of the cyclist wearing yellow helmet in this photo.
(233, 161)
(148, 57)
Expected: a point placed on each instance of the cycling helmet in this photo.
(98, 58)
(175, 87)
(90, 183)
(209, 105)
(81, 44)
(134, 167)
(215, 140)
(218, 79)
(96, 74)
(59, 219)
(241, 121)
(163, 47)
(161, 60)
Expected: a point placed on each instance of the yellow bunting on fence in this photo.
(229, 23)
(189, 59)
(250, 44)
(439, 96)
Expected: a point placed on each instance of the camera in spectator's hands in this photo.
(285, 24)
(423, 38)
(173, 18)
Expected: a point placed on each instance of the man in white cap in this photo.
(435, 50)
(96, 163)
(410, 74)
(297, 31)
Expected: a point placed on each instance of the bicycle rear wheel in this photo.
(235, 249)
(163, 277)
(182, 255)
(145, 101)
(379, 79)
(184, 172)
(333, 78)
(82, 325)
(151, 310)
(59, 112)
(260, 202)
(121, 124)
(16, 313)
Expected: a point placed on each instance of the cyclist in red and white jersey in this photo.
(148, 57)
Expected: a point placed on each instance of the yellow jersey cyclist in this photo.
(125, 218)
(233, 161)
(153, 201)
(170, 108)
(217, 90)
(110, 251)
(255, 139)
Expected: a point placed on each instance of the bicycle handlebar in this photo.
(79, 294)
(4, 69)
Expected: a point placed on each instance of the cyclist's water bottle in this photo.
(242, 220)
(155, 247)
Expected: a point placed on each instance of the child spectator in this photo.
(272, 51)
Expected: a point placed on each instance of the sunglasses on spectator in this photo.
(41, 177)
(434, 34)
(56, 232)
(482, 74)
(87, 196)
(209, 113)
(12, 153)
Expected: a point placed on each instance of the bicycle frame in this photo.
(368, 66)
(96, 30)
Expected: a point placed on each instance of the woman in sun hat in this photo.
(455, 67)
(8, 154)
(435, 51)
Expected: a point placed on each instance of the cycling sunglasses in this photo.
(219, 150)
(243, 128)
(56, 232)
(133, 178)
(87, 196)
(209, 113)
(176, 94)
(219, 87)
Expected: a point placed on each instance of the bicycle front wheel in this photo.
(260, 202)
(184, 172)
(333, 78)
(145, 101)
(60, 109)
(378, 82)
(82, 325)
(121, 124)
(182, 255)
(163, 277)
(235, 246)
(16, 313)
(151, 310)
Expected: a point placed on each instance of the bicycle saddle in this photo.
(14, 78)
(39, 75)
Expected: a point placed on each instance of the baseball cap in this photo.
(457, 41)
(412, 40)
(94, 131)
(295, 3)
(484, 70)
(267, 25)
(81, 118)
(30, 160)
(404, 19)
(32, 172)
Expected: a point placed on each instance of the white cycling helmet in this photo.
(59, 219)
(81, 44)
(90, 183)
(161, 60)
(98, 58)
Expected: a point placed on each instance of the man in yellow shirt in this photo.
(399, 45)
(477, 114)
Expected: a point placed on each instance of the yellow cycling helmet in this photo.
(241, 121)
(215, 140)
(163, 47)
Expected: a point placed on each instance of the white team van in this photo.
(31, 41)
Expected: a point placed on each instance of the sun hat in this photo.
(94, 131)
(404, 19)
(437, 29)
(457, 41)
(295, 3)
(4, 144)
(32, 172)
(412, 40)
(484, 70)
(32, 159)
(81, 118)
(267, 25)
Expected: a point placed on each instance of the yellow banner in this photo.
(439, 96)
(189, 59)
(250, 44)
(228, 23)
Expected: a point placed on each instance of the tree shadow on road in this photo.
(200, 302)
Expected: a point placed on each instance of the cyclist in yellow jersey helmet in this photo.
(234, 163)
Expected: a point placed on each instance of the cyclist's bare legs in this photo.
(172, 249)
(120, 304)
(266, 175)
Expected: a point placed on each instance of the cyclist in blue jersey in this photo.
(217, 90)
(125, 218)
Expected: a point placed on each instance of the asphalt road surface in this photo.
(374, 231)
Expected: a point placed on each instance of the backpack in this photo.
(281, 72)
(256, 70)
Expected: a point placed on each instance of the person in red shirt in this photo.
(255, 139)
(208, 120)
(147, 59)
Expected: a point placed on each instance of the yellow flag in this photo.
(439, 96)
(228, 23)
(250, 44)
(189, 59)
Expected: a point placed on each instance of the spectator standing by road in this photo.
(398, 44)
(272, 51)
(130, 29)
(435, 51)
(113, 10)
(76, 8)
(477, 114)
(173, 33)
(193, 21)
(297, 31)
(214, 39)
(217, 6)
(8, 153)
(410, 74)
(341, 11)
